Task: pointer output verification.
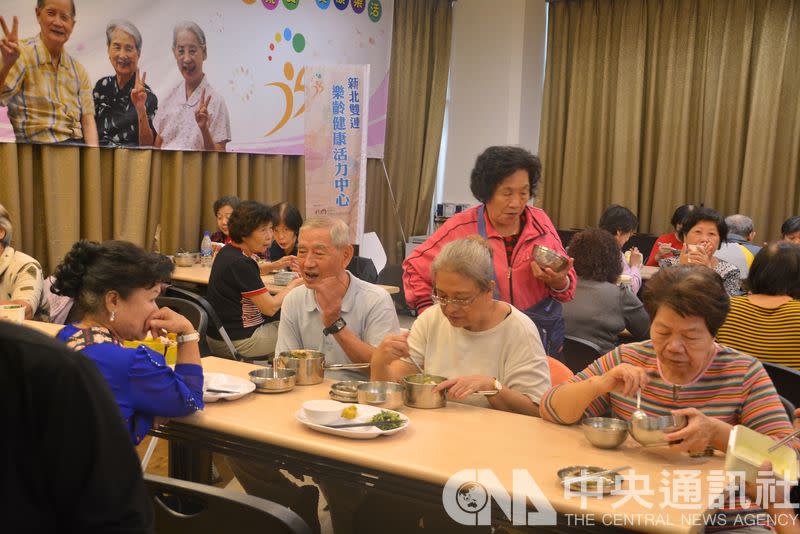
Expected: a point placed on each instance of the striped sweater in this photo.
(769, 334)
(735, 389)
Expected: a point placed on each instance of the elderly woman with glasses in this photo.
(193, 116)
(482, 343)
(124, 105)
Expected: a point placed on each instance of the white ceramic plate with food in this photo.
(363, 414)
(226, 387)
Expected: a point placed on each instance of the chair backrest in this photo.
(193, 312)
(191, 508)
(786, 380)
(578, 353)
(363, 268)
(558, 371)
(213, 318)
(392, 275)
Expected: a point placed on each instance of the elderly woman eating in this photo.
(116, 284)
(681, 370)
(703, 231)
(124, 104)
(193, 116)
(20, 275)
(482, 343)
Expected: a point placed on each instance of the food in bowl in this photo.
(186, 259)
(392, 420)
(545, 257)
(301, 353)
(424, 379)
(350, 412)
(322, 412)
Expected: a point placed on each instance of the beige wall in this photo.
(496, 79)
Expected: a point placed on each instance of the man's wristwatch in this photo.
(188, 338)
(337, 326)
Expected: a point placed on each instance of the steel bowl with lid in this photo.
(271, 380)
(419, 391)
(346, 391)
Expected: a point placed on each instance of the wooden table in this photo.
(197, 274)
(648, 272)
(418, 461)
(50, 329)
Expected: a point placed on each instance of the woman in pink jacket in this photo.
(504, 180)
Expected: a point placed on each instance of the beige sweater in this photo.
(21, 279)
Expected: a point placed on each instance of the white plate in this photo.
(365, 413)
(241, 386)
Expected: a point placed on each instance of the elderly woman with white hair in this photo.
(124, 104)
(480, 342)
(20, 275)
(193, 116)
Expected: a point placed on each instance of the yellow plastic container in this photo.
(170, 351)
(747, 450)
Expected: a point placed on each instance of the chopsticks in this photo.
(785, 440)
(215, 390)
(377, 423)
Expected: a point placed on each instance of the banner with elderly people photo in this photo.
(182, 75)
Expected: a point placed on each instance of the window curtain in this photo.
(57, 194)
(655, 103)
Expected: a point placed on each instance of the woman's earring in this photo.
(113, 315)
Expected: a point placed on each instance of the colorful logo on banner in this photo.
(373, 7)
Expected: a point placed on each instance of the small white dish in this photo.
(365, 413)
(323, 412)
(238, 386)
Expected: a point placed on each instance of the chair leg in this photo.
(149, 453)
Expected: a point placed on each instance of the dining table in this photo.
(198, 274)
(514, 458)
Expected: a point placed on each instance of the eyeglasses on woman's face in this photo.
(454, 302)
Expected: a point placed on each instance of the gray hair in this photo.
(5, 224)
(470, 257)
(188, 25)
(739, 224)
(128, 28)
(40, 5)
(340, 232)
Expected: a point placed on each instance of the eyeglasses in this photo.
(457, 303)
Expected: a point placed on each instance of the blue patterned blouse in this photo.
(143, 385)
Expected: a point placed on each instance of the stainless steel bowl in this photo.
(602, 485)
(546, 257)
(651, 430)
(418, 394)
(271, 380)
(346, 391)
(310, 365)
(388, 395)
(186, 259)
(605, 432)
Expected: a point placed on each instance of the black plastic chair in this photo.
(196, 315)
(191, 508)
(786, 380)
(363, 268)
(392, 275)
(213, 318)
(579, 353)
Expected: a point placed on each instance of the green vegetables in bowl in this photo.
(391, 420)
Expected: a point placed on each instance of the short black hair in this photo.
(246, 218)
(91, 269)
(690, 291)
(618, 218)
(776, 270)
(287, 215)
(790, 225)
(698, 215)
(40, 5)
(497, 163)
(221, 202)
(680, 214)
(596, 255)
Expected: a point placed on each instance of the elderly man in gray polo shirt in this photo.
(345, 316)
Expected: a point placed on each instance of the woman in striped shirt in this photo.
(764, 322)
(681, 370)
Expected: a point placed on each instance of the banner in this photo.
(336, 143)
(241, 62)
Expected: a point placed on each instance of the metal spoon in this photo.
(785, 440)
(638, 413)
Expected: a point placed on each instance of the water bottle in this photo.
(206, 252)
